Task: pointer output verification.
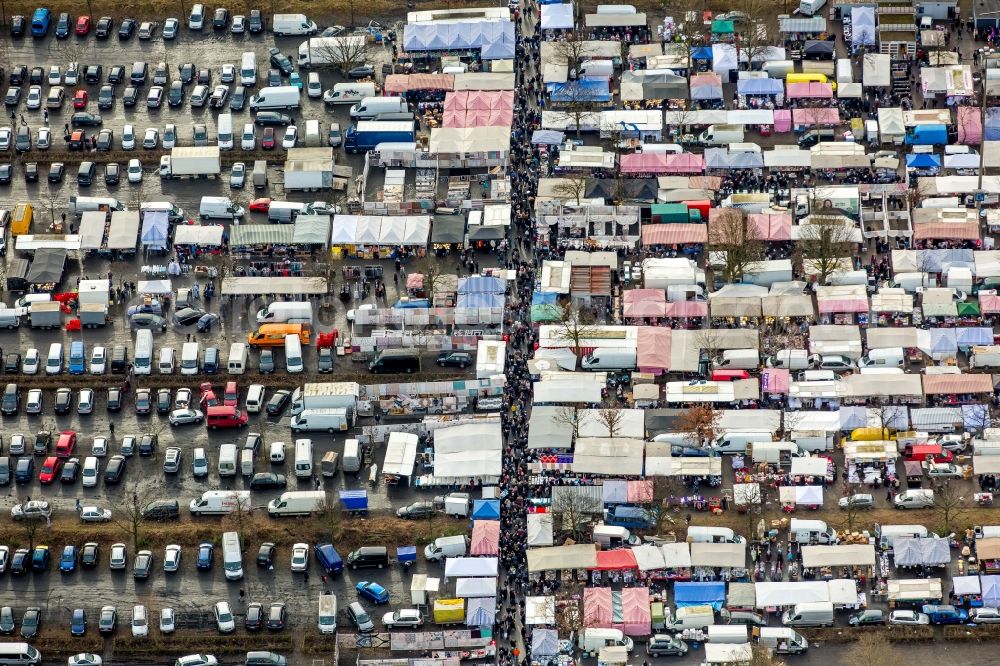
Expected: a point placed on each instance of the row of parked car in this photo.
(64, 25)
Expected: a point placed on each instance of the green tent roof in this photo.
(721, 27)
(968, 309)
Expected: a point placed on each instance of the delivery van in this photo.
(318, 420)
(350, 93)
(238, 358)
(286, 312)
(738, 359)
(232, 555)
(79, 205)
(276, 98)
(174, 213)
(224, 131)
(886, 535)
(77, 358)
(871, 435)
(219, 208)
(327, 617)
(792, 359)
(293, 354)
(691, 617)
(914, 498)
(225, 416)
(292, 24)
(273, 335)
(246, 462)
(736, 442)
(190, 355)
(303, 458)
(370, 107)
(284, 212)
(21, 219)
(613, 536)
(166, 363)
(910, 282)
(809, 614)
(143, 352)
(778, 69)
(227, 459)
(220, 502)
(54, 360)
(608, 358)
(248, 69)
(812, 531)
(706, 534)
(782, 640)
(592, 639)
(889, 357)
(297, 503)
(396, 361)
(446, 546)
(255, 398)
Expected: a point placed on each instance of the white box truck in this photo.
(293, 24)
(352, 456)
(297, 503)
(370, 107)
(987, 356)
(320, 51)
(191, 162)
(326, 395)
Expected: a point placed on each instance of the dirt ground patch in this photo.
(850, 634)
(56, 642)
(190, 642)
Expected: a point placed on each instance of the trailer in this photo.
(191, 162)
(47, 314)
(309, 175)
(93, 315)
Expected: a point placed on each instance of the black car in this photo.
(148, 442)
(255, 617)
(106, 97)
(256, 23)
(239, 99)
(18, 73)
(204, 77)
(104, 26)
(24, 472)
(361, 72)
(84, 119)
(279, 400)
(43, 441)
(267, 481)
(187, 72)
(56, 172)
(70, 470)
(11, 401)
(175, 94)
(164, 401)
(6, 174)
(273, 77)
(416, 510)
(21, 561)
(91, 555)
(280, 60)
(31, 622)
(36, 76)
(6, 620)
(64, 25)
(272, 118)
(86, 173)
(18, 24)
(114, 470)
(130, 96)
(187, 316)
(265, 556)
(276, 616)
(324, 363)
(221, 19)
(143, 401)
(116, 75)
(114, 399)
(31, 172)
(454, 359)
(112, 173)
(162, 510)
(12, 363)
(93, 74)
(127, 28)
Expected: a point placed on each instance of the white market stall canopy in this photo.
(838, 556)
(551, 427)
(566, 392)
(539, 610)
(599, 423)
(648, 557)
(809, 495)
(413, 230)
(468, 450)
(809, 466)
(676, 555)
(476, 587)
(616, 456)
(540, 530)
(556, 558)
(790, 593)
(244, 286)
(400, 454)
(466, 140)
(718, 554)
(685, 466)
(194, 234)
(470, 566)
(123, 234)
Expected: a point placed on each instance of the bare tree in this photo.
(30, 530)
(751, 503)
(573, 509)
(567, 415)
(731, 232)
(343, 52)
(887, 414)
(571, 189)
(701, 421)
(709, 341)
(572, 52)
(872, 648)
(576, 104)
(851, 509)
(574, 325)
(435, 279)
(129, 514)
(761, 655)
(753, 38)
(949, 502)
(240, 519)
(825, 243)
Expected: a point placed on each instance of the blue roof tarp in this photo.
(582, 90)
(699, 594)
(486, 510)
(927, 135)
(701, 53)
(412, 304)
(354, 500)
(406, 553)
(495, 39)
(548, 137)
(154, 229)
(760, 87)
(481, 291)
(970, 336)
(923, 161)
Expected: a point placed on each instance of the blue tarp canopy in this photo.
(154, 229)
(354, 500)
(923, 161)
(581, 90)
(701, 53)
(406, 553)
(699, 594)
(990, 586)
(970, 336)
(412, 304)
(548, 137)
(486, 510)
(760, 87)
(481, 291)
(495, 39)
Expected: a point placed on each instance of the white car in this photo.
(6, 136)
(34, 99)
(151, 138)
(98, 360)
(34, 403)
(100, 446)
(224, 619)
(248, 141)
(91, 471)
(944, 471)
(72, 74)
(44, 141)
(169, 136)
(85, 659)
(404, 617)
(185, 416)
(228, 74)
(277, 452)
(95, 514)
(17, 444)
(314, 88)
(134, 171)
(32, 361)
(300, 557)
(288, 140)
(4, 558)
(238, 176)
(119, 556)
(172, 558)
(55, 75)
(908, 617)
(182, 399)
(167, 621)
(128, 137)
(140, 622)
(85, 405)
(197, 660)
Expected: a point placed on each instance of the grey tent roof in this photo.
(547, 429)
(448, 229)
(262, 234)
(664, 86)
(47, 266)
(817, 48)
(544, 642)
(638, 188)
(661, 420)
(18, 268)
(311, 230)
(479, 232)
(908, 552)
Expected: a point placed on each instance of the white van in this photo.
(887, 534)
(255, 398)
(286, 312)
(812, 531)
(370, 107)
(174, 213)
(608, 358)
(691, 617)
(238, 357)
(196, 20)
(890, 357)
(143, 358)
(910, 282)
(349, 93)
(352, 455)
(54, 361)
(227, 460)
(778, 69)
(327, 622)
(608, 536)
(248, 69)
(219, 207)
(736, 442)
(246, 462)
(166, 363)
(809, 614)
(446, 546)
(219, 502)
(276, 98)
(792, 359)
(284, 212)
(738, 359)
(592, 639)
(293, 354)
(79, 205)
(224, 126)
(707, 534)
(90, 472)
(232, 555)
(303, 458)
(190, 353)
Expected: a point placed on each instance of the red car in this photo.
(82, 26)
(66, 443)
(231, 396)
(80, 99)
(267, 143)
(208, 397)
(921, 452)
(261, 205)
(50, 469)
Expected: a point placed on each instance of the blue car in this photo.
(40, 22)
(373, 592)
(67, 563)
(205, 552)
(78, 627)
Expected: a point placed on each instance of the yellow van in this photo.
(21, 221)
(870, 435)
(273, 335)
(806, 77)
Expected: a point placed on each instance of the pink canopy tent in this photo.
(415, 281)
(479, 108)
(597, 610)
(653, 349)
(815, 116)
(832, 305)
(775, 380)
(640, 491)
(811, 90)
(636, 612)
(615, 560)
(686, 309)
(782, 120)
(641, 303)
(970, 125)
(486, 537)
(685, 163)
(942, 230)
(989, 304)
(770, 226)
(644, 163)
(674, 234)
(401, 83)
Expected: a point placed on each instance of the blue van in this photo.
(210, 364)
(40, 22)
(77, 358)
(329, 558)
